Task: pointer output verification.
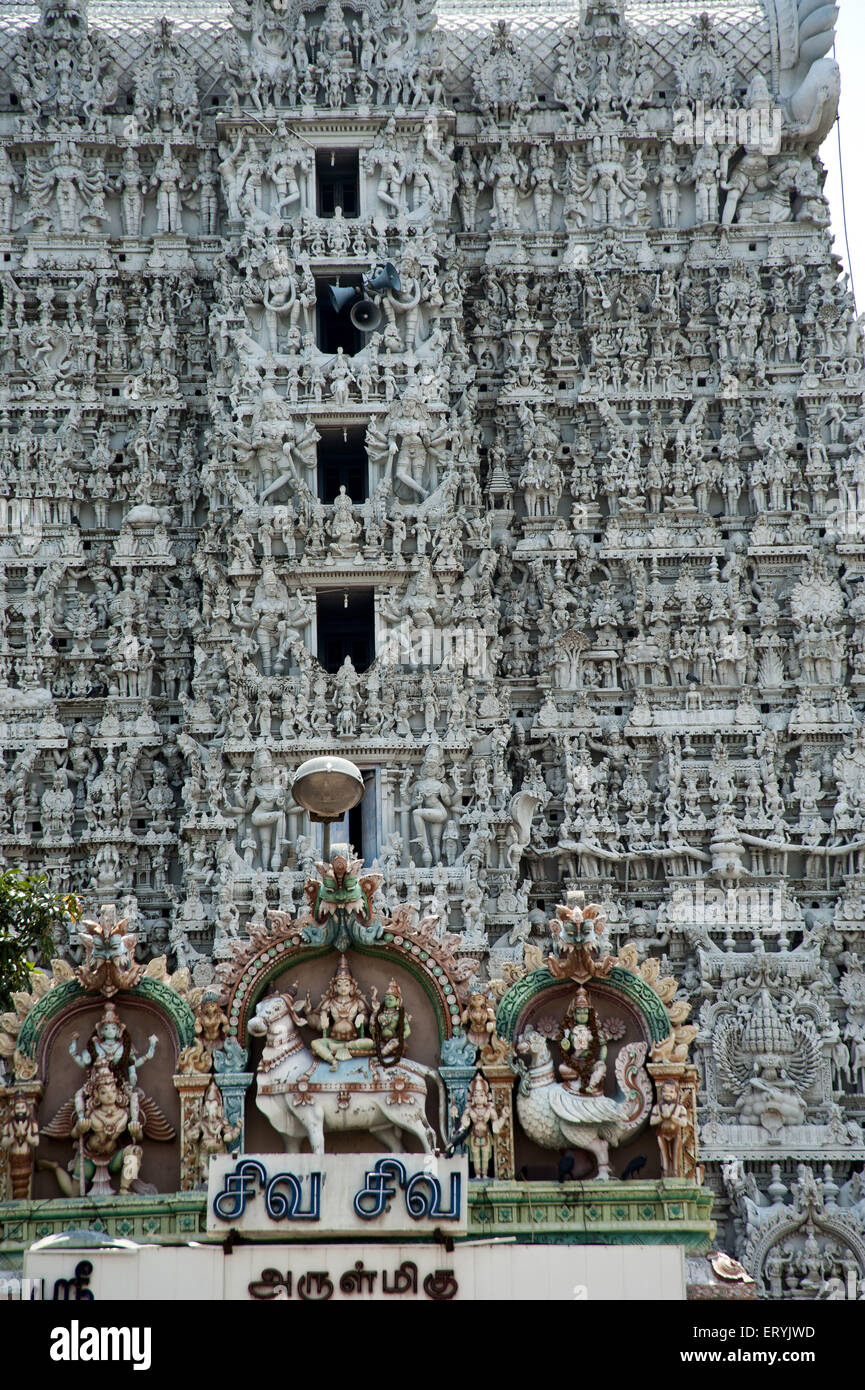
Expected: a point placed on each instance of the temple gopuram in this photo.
(432, 650)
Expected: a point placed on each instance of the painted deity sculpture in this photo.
(390, 1026)
(211, 1031)
(555, 1116)
(110, 1045)
(479, 1021)
(363, 1096)
(342, 1018)
(99, 1116)
(479, 1123)
(669, 1117)
(211, 1133)
(19, 1139)
(583, 1039)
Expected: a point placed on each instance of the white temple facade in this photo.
(551, 518)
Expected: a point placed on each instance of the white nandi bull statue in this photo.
(302, 1098)
(556, 1117)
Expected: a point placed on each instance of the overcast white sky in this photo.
(850, 53)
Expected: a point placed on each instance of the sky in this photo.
(850, 53)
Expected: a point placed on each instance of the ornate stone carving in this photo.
(107, 1107)
(363, 1095)
(109, 963)
(595, 481)
(65, 76)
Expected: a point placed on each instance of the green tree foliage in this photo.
(29, 914)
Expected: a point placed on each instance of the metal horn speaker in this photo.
(340, 296)
(366, 315)
(385, 277)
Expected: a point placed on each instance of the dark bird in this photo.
(635, 1166)
(457, 1140)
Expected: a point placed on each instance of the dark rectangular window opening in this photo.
(355, 830)
(358, 827)
(337, 178)
(345, 628)
(335, 328)
(342, 462)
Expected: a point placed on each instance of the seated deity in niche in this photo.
(342, 1018)
(583, 1039)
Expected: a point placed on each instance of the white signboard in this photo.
(363, 1272)
(338, 1194)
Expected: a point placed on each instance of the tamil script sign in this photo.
(362, 1272)
(337, 1194)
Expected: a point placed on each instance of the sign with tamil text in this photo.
(337, 1194)
(361, 1272)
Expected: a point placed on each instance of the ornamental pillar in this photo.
(234, 1082)
(456, 1069)
(191, 1087)
(501, 1078)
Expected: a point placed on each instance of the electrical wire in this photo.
(844, 204)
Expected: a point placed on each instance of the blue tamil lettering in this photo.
(422, 1191)
(287, 1206)
(239, 1187)
(420, 1203)
(375, 1197)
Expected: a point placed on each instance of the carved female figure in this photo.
(389, 1026)
(279, 293)
(432, 799)
(129, 185)
(166, 180)
(265, 804)
(543, 183)
(668, 181)
(467, 189)
(706, 173)
(502, 172)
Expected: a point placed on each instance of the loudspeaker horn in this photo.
(340, 296)
(385, 277)
(366, 315)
